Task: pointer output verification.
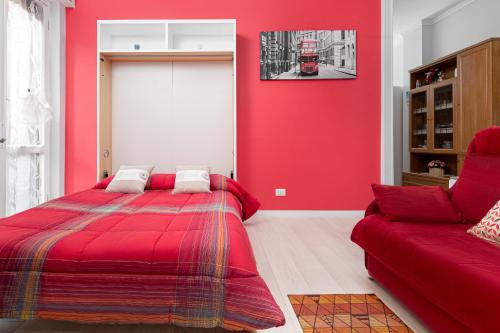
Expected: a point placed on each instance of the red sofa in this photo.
(448, 278)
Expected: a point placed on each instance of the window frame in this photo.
(54, 23)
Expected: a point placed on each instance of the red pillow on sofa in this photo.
(478, 187)
(423, 204)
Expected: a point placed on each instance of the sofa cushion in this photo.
(424, 204)
(486, 141)
(489, 227)
(478, 187)
(450, 268)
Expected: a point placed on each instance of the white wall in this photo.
(398, 82)
(427, 53)
(476, 21)
(412, 57)
(398, 133)
(398, 58)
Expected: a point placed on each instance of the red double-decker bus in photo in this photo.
(309, 57)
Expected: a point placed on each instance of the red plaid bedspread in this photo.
(126, 258)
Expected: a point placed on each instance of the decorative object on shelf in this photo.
(436, 168)
(443, 105)
(308, 55)
(418, 84)
(420, 110)
(137, 46)
(420, 132)
(423, 145)
(446, 144)
(433, 75)
(444, 129)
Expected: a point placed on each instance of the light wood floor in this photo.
(295, 255)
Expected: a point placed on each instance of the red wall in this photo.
(318, 139)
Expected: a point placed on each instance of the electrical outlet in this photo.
(280, 192)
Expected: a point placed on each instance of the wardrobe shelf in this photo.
(168, 55)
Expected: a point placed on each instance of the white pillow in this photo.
(489, 227)
(191, 180)
(130, 179)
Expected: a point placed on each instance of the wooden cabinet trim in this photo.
(422, 179)
(470, 79)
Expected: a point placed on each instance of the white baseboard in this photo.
(311, 213)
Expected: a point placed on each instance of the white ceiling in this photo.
(409, 13)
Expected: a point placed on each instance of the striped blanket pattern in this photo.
(100, 257)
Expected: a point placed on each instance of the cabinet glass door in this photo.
(443, 120)
(419, 115)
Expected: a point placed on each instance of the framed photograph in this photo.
(308, 55)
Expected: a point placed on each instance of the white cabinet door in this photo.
(142, 115)
(173, 113)
(203, 114)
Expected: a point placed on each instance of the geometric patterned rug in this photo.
(345, 313)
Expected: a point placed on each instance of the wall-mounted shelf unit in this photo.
(165, 35)
(179, 74)
(445, 115)
(168, 55)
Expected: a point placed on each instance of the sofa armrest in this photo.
(372, 209)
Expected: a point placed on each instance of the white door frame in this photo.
(57, 74)
(3, 168)
(387, 112)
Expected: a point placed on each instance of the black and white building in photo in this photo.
(308, 54)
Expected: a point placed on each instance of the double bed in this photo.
(99, 257)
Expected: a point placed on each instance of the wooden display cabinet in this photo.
(445, 115)
(433, 118)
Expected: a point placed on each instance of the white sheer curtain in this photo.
(27, 108)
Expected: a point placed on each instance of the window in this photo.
(27, 112)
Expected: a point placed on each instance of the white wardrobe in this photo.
(167, 95)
